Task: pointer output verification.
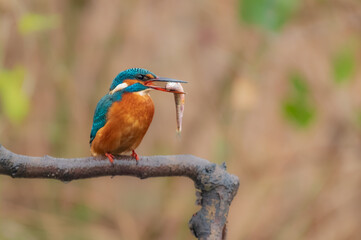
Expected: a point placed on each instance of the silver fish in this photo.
(179, 99)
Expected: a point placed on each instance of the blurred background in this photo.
(274, 91)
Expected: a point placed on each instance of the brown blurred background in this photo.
(274, 91)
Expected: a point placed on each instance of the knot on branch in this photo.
(11, 167)
(217, 189)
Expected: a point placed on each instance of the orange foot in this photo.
(110, 157)
(135, 155)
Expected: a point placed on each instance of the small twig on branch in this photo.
(217, 187)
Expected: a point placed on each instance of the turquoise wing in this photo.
(100, 115)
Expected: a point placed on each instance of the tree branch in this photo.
(216, 186)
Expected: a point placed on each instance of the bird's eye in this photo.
(141, 77)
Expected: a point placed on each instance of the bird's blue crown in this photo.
(130, 73)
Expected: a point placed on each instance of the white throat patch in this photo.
(144, 92)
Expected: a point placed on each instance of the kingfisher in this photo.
(123, 115)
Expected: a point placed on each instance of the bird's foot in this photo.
(135, 155)
(110, 157)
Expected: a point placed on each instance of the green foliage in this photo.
(32, 22)
(344, 65)
(268, 14)
(14, 102)
(82, 213)
(297, 107)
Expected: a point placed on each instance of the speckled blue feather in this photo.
(128, 74)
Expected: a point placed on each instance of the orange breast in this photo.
(127, 123)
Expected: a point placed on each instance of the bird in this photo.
(123, 116)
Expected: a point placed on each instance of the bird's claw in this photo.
(110, 157)
(135, 155)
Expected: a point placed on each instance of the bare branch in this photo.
(216, 187)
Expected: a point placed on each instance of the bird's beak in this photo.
(149, 83)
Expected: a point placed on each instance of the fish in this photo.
(179, 99)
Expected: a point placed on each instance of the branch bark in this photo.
(216, 187)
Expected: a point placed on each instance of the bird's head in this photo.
(139, 79)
